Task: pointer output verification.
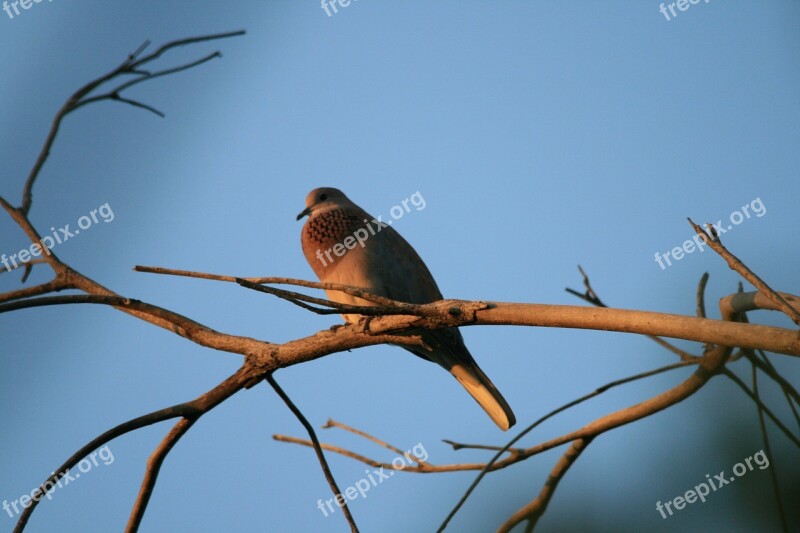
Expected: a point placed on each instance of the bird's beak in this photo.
(304, 212)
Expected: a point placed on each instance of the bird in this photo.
(344, 244)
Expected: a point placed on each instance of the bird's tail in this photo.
(480, 387)
(446, 348)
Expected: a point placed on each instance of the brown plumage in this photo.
(344, 244)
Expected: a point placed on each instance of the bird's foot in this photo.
(364, 323)
(337, 326)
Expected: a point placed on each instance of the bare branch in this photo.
(154, 463)
(189, 410)
(179, 324)
(333, 424)
(347, 289)
(787, 388)
(733, 377)
(202, 405)
(736, 264)
(126, 427)
(54, 285)
(701, 295)
(774, 470)
(336, 307)
(129, 66)
(117, 98)
(337, 493)
(589, 296)
(535, 509)
(28, 266)
(495, 463)
(702, 330)
(743, 302)
(517, 454)
(461, 446)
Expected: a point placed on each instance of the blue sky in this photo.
(542, 135)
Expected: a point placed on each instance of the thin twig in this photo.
(203, 404)
(517, 454)
(461, 446)
(736, 264)
(317, 449)
(788, 389)
(774, 470)
(493, 462)
(761, 360)
(701, 295)
(53, 285)
(334, 424)
(28, 266)
(129, 66)
(347, 289)
(536, 508)
(154, 463)
(174, 411)
(742, 385)
(298, 299)
(590, 296)
(191, 410)
(423, 467)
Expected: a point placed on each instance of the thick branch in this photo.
(702, 330)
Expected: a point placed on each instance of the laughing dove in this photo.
(344, 244)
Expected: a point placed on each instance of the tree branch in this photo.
(323, 463)
(736, 265)
(516, 454)
(535, 509)
(154, 463)
(129, 66)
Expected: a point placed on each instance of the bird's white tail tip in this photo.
(485, 397)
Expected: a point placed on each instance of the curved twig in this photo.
(495, 463)
(126, 427)
(188, 410)
(516, 454)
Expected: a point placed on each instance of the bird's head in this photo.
(323, 199)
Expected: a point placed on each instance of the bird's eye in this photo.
(323, 197)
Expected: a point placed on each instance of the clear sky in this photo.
(541, 135)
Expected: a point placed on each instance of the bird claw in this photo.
(364, 323)
(336, 327)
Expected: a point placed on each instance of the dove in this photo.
(345, 245)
